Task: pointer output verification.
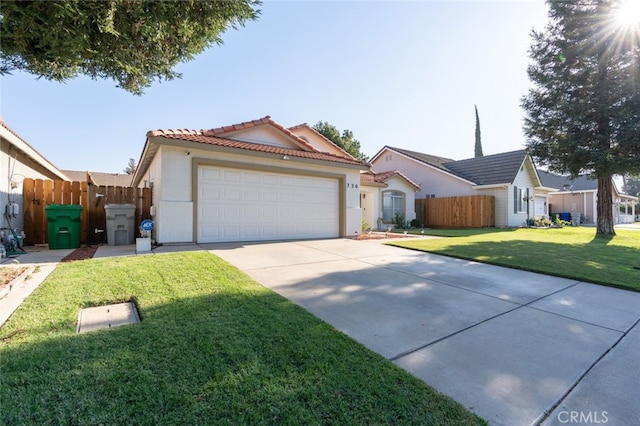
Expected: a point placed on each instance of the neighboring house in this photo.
(510, 177)
(18, 161)
(99, 178)
(385, 195)
(252, 181)
(580, 195)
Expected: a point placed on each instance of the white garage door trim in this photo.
(245, 204)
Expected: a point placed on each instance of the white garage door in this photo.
(242, 205)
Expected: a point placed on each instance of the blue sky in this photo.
(405, 74)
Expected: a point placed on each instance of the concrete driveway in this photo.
(516, 348)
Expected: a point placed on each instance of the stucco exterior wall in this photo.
(583, 202)
(398, 184)
(371, 205)
(264, 135)
(16, 167)
(171, 173)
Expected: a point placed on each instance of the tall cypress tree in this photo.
(583, 113)
(478, 149)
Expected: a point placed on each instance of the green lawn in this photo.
(572, 252)
(213, 347)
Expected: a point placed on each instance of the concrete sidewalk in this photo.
(515, 347)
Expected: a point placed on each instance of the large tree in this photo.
(583, 112)
(130, 41)
(631, 185)
(478, 146)
(344, 140)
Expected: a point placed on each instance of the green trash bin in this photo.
(64, 225)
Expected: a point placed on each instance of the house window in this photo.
(392, 204)
(520, 200)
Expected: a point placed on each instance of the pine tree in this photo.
(131, 167)
(583, 113)
(478, 148)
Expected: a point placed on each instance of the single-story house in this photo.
(383, 196)
(99, 178)
(19, 160)
(252, 181)
(510, 177)
(579, 195)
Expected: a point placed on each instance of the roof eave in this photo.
(493, 185)
(29, 151)
(438, 169)
(545, 188)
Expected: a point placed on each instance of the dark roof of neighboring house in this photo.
(98, 178)
(487, 170)
(565, 183)
(432, 160)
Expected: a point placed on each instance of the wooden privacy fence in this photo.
(473, 211)
(38, 193)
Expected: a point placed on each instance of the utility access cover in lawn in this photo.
(107, 316)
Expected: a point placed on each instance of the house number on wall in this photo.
(352, 185)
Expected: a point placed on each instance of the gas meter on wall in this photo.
(12, 209)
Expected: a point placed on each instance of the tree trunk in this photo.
(605, 206)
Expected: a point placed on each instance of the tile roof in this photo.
(565, 183)
(305, 125)
(382, 177)
(432, 160)
(221, 131)
(220, 136)
(489, 169)
(99, 178)
(209, 139)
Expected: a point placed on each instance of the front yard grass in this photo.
(570, 252)
(213, 347)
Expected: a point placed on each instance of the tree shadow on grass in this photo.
(214, 359)
(597, 261)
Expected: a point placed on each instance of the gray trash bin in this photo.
(575, 218)
(120, 224)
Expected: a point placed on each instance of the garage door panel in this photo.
(252, 177)
(239, 205)
(209, 175)
(231, 176)
(209, 194)
(251, 196)
(209, 210)
(251, 214)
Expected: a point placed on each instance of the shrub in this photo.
(398, 220)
